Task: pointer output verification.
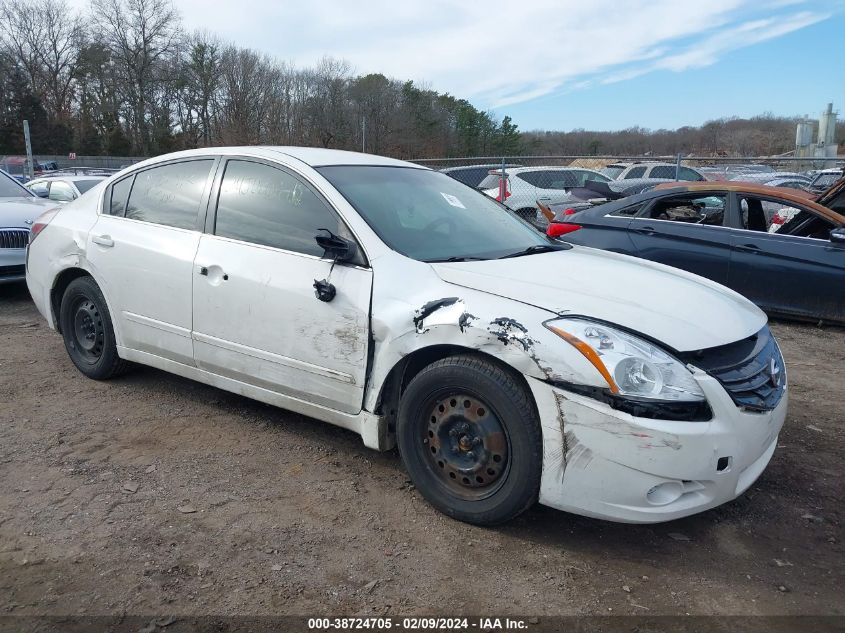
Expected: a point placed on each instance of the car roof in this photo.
(770, 175)
(646, 163)
(68, 178)
(633, 182)
(447, 170)
(519, 170)
(311, 156)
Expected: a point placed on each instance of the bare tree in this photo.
(139, 35)
(246, 77)
(45, 37)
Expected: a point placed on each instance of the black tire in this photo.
(88, 332)
(470, 439)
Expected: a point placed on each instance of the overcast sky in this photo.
(596, 64)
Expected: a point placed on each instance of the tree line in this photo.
(764, 135)
(124, 78)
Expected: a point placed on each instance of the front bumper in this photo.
(12, 261)
(607, 464)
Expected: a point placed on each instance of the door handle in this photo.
(218, 274)
(748, 248)
(103, 240)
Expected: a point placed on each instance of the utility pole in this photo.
(29, 172)
(364, 134)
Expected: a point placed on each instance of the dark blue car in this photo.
(781, 248)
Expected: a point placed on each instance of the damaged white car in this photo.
(391, 300)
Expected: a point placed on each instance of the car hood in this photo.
(679, 309)
(21, 212)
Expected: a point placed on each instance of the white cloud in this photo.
(499, 52)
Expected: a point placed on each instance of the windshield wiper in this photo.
(537, 248)
(457, 258)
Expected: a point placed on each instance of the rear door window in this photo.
(704, 210)
(551, 178)
(662, 171)
(689, 174)
(471, 176)
(169, 195)
(634, 172)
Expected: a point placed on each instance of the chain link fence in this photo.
(527, 183)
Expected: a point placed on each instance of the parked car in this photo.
(644, 169)
(63, 189)
(393, 301)
(713, 173)
(18, 210)
(594, 193)
(472, 175)
(824, 179)
(15, 167)
(790, 180)
(724, 231)
(527, 185)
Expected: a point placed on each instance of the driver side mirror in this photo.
(336, 247)
(838, 235)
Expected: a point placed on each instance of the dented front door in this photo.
(256, 316)
(257, 320)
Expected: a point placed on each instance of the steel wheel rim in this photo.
(466, 446)
(87, 333)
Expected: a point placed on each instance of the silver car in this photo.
(526, 186)
(18, 210)
(63, 189)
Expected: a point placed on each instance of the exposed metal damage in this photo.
(429, 308)
(509, 330)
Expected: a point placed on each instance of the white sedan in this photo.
(391, 300)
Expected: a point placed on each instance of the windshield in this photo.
(9, 188)
(428, 216)
(85, 185)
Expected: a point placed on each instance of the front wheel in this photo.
(470, 439)
(88, 332)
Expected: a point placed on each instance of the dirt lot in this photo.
(292, 516)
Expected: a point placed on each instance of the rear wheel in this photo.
(88, 332)
(470, 439)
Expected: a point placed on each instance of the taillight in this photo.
(556, 229)
(41, 223)
(569, 211)
(504, 185)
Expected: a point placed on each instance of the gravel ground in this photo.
(153, 494)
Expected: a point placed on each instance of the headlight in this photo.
(630, 365)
